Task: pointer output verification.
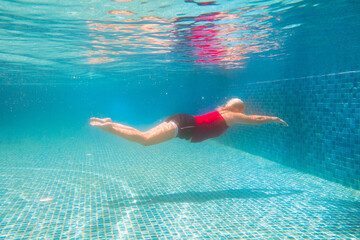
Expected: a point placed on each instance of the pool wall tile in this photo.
(323, 113)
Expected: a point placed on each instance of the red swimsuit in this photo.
(208, 126)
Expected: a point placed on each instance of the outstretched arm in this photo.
(257, 119)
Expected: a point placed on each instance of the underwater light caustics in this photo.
(46, 199)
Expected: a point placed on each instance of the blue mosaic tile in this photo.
(323, 116)
(102, 187)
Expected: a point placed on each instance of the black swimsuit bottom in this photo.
(186, 124)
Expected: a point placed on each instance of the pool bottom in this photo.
(94, 185)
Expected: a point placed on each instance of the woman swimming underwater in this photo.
(192, 128)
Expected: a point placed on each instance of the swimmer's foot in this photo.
(101, 120)
(102, 126)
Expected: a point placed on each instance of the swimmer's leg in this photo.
(108, 120)
(161, 133)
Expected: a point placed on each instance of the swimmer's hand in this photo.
(281, 122)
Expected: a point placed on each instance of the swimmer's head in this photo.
(235, 105)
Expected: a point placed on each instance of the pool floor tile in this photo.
(102, 187)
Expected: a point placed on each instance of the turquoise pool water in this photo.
(95, 186)
(138, 62)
